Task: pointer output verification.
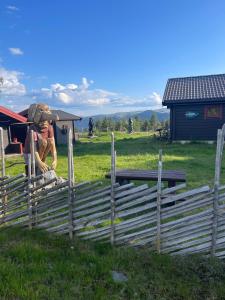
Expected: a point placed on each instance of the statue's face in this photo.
(44, 122)
(41, 115)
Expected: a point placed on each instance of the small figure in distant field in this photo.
(91, 127)
(44, 141)
(130, 126)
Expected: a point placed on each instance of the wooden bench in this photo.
(171, 176)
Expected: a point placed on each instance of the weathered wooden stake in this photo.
(2, 153)
(29, 199)
(70, 182)
(32, 151)
(159, 192)
(219, 153)
(2, 149)
(113, 181)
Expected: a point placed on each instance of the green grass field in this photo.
(35, 265)
(92, 157)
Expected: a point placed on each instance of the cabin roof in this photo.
(63, 115)
(12, 114)
(195, 89)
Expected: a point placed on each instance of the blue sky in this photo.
(103, 56)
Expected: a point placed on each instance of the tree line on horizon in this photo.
(109, 124)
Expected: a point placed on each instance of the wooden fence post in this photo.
(3, 173)
(70, 182)
(113, 181)
(2, 153)
(159, 191)
(32, 151)
(33, 174)
(29, 199)
(219, 153)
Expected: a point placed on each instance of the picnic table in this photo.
(171, 176)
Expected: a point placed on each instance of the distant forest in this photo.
(109, 124)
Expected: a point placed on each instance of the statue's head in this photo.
(41, 115)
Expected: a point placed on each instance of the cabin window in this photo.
(213, 112)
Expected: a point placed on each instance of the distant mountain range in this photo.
(162, 115)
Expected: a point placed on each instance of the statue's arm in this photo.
(53, 153)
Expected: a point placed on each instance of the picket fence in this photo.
(169, 220)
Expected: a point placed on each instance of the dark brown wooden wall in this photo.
(198, 128)
(61, 139)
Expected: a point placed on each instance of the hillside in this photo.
(162, 114)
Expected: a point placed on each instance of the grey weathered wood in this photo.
(219, 151)
(2, 150)
(159, 191)
(32, 151)
(71, 182)
(113, 181)
(29, 202)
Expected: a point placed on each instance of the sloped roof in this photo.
(198, 88)
(12, 114)
(63, 115)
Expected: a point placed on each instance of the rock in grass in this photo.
(119, 276)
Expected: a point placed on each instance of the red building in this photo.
(14, 130)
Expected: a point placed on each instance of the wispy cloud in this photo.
(16, 51)
(12, 8)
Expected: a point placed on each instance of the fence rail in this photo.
(168, 220)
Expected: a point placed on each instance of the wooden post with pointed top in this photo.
(159, 191)
(113, 181)
(3, 173)
(71, 191)
(218, 162)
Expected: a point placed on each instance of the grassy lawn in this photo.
(35, 265)
(139, 150)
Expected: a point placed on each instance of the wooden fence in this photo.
(169, 220)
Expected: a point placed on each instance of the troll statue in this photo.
(44, 142)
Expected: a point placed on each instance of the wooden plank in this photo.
(184, 195)
(133, 174)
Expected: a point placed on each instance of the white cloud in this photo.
(156, 98)
(12, 8)
(10, 83)
(70, 96)
(15, 51)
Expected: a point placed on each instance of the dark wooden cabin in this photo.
(66, 121)
(14, 130)
(197, 107)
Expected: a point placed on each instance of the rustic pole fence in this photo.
(112, 196)
(159, 192)
(71, 191)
